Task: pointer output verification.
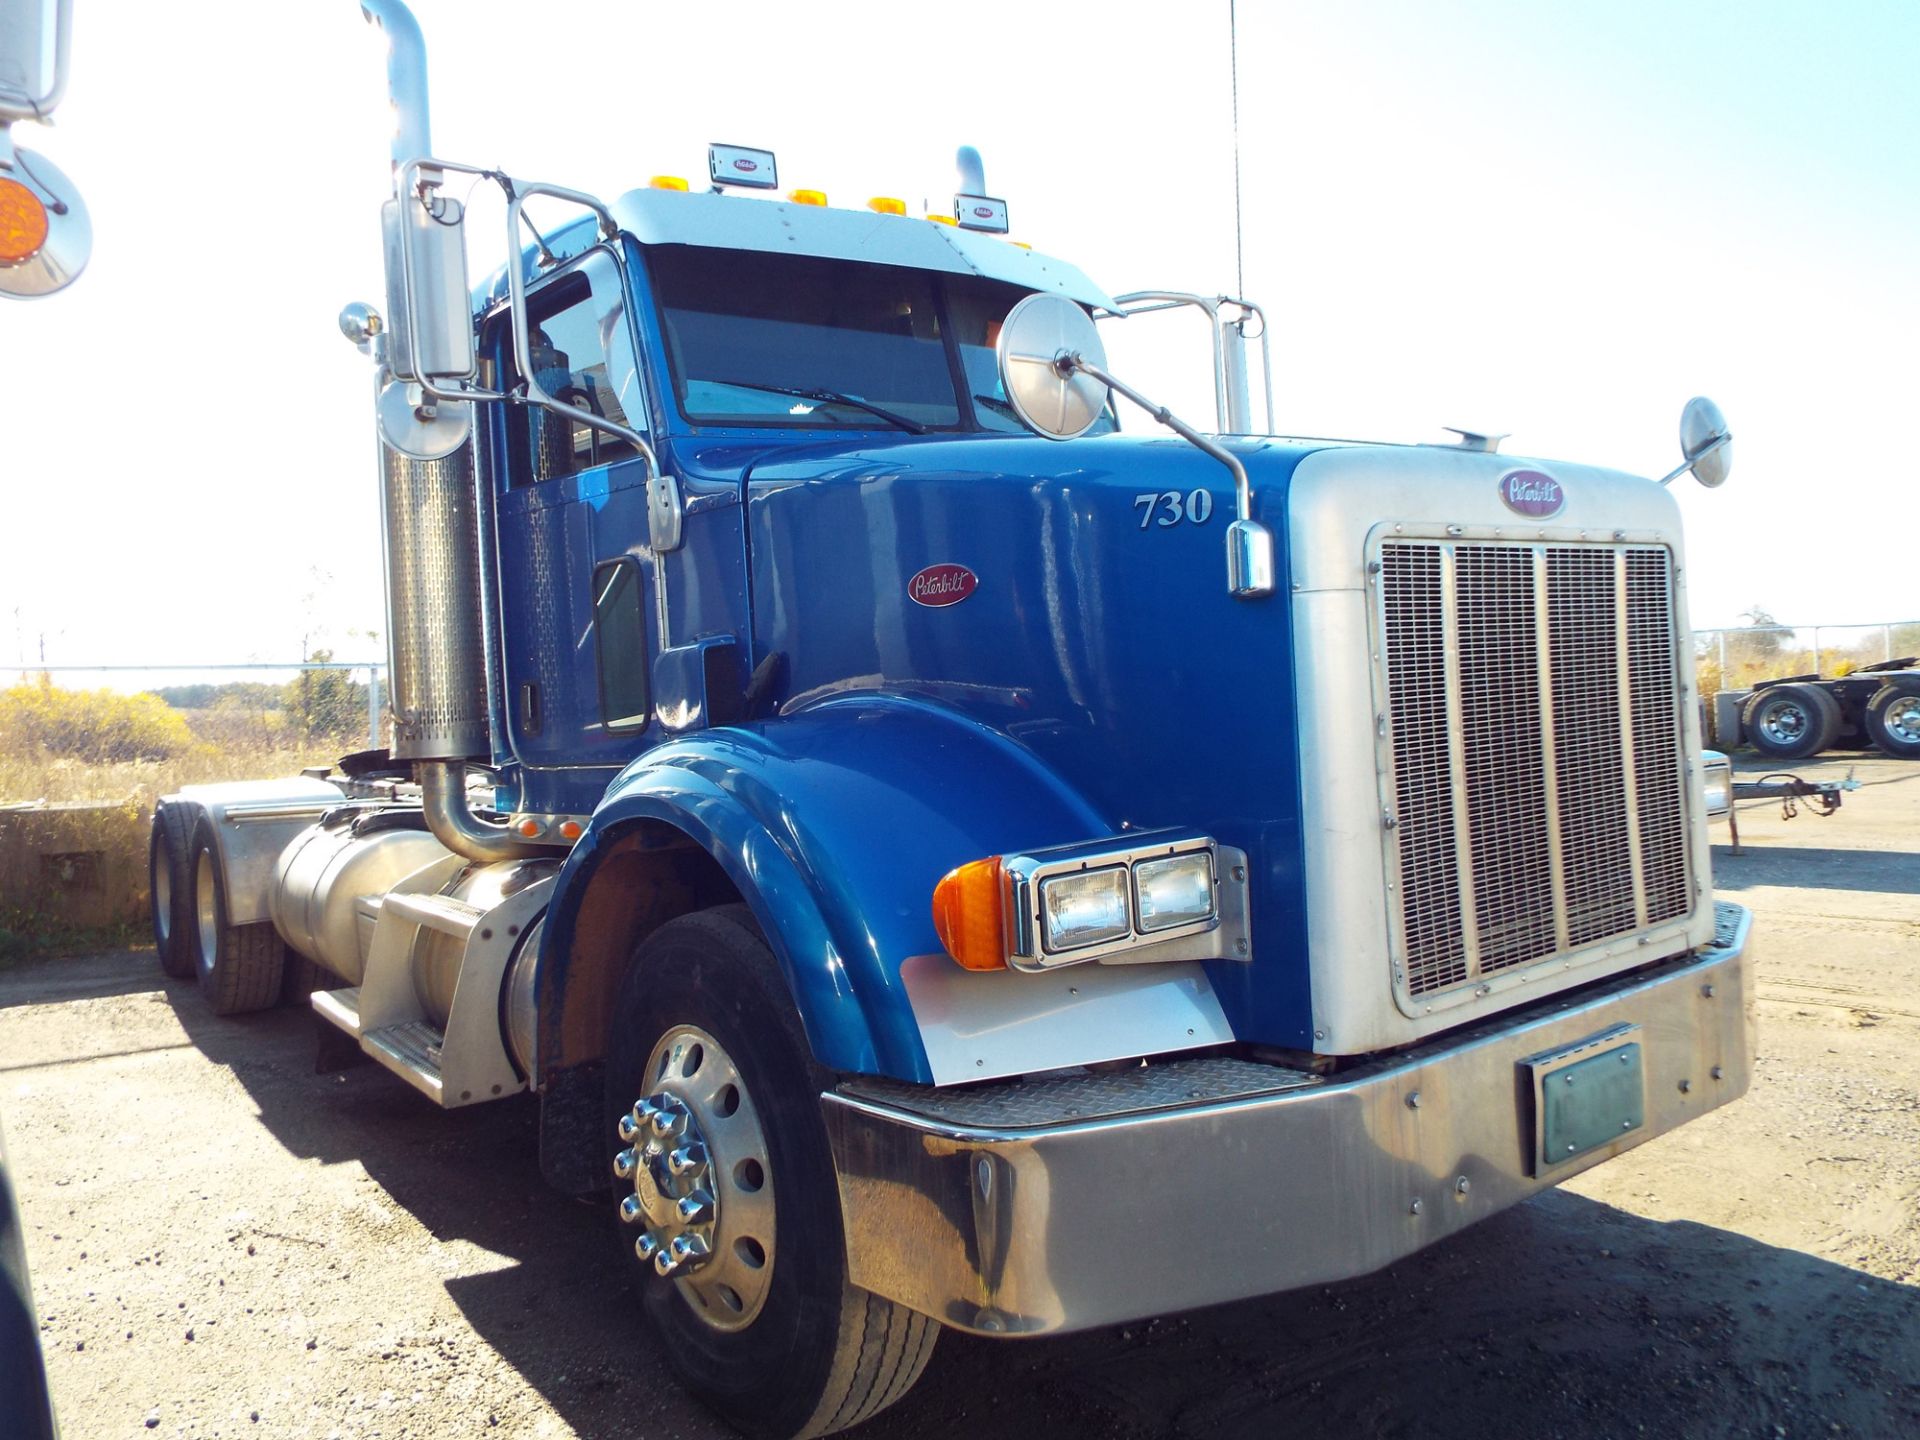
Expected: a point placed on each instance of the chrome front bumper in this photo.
(996, 1214)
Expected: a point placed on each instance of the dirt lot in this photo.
(226, 1244)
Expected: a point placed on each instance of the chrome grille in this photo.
(1536, 795)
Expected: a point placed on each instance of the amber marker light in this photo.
(970, 914)
(23, 223)
(807, 197)
(943, 220)
(570, 830)
(887, 205)
(667, 182)
(530, 828)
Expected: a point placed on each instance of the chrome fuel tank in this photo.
(322, 876)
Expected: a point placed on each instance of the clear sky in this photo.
(1552, 218)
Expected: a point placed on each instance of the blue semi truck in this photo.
(943, 859)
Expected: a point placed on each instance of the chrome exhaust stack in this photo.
(436, 653)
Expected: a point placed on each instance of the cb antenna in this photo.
(1233, 64)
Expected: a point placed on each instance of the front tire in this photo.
(713, 1098)
(1791, 722)
(239, 965)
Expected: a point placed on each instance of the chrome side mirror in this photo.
(1053, 368)
(1705, 443)
(45, 235)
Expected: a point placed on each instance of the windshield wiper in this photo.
(829, 397)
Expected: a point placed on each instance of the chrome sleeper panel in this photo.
(1059, 1228)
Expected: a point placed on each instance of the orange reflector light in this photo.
(1020, 244)
(667, 182)
(530, 828)
(970, 914)
(23, 223)
(887, 205)
(943, 220)
(569, 829)
(807, 197)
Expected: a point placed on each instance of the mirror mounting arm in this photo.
(1250, 561)
(1710, 448)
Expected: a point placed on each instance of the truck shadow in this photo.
(1562, 1316)
(1888, 872)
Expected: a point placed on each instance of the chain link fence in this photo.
(1740, 658)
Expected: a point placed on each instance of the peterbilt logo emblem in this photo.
(985, 212)
(942, 585)
(1532, 493)
(745, 165)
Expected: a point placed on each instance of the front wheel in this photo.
(729, 1204)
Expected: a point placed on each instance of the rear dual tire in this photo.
(168, 888)
(1893, 718)
(809, 1353)
(240, 967)
(1790, 722)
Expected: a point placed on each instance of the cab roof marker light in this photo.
(887, 205)
(666, 182)
(807, 197)
(940, 219)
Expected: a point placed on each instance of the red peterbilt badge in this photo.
(983, 211)
(1532, 493)
(745, 164)
(942, 585)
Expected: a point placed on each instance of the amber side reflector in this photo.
(887, 205)
(23, 223)
(970, 914)
(667, 182)
(807, 197)
(530, 828)
(570, 830)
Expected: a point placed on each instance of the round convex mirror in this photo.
(1051, 397)
(1701, 423)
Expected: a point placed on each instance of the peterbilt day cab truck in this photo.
(905, 861)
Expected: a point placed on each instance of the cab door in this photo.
(575, 570)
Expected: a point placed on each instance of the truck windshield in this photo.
(758, 339)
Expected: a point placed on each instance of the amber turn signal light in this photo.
(23, 223)
(970, 914)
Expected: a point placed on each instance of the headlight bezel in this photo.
(1716, 769)
(1222, 933)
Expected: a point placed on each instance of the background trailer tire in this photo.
(1791, 722)
(170, 889)
(1893, 718)
(240, 966)
(713, 1098)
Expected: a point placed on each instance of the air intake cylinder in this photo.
(435, 656)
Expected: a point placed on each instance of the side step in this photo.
(466, 1062)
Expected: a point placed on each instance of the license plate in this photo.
(1587, 1096)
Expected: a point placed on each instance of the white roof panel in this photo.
(741, 222)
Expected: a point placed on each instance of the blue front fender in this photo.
(835, 824)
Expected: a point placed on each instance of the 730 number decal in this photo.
(1172, 508)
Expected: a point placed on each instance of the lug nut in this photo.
(645, 1246)
(697, 1208)
(664, 1264)
(630, 1210)
(687, 1160)
(687, 1248)
(624, 1164)
(629, 1128)
(668, 1120)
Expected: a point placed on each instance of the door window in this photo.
(582, 355)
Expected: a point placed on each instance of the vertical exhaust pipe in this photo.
(436, 653)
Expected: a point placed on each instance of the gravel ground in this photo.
(226, 1244)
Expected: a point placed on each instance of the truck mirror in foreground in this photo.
(1705, 442)
(1053, 368)
(45, 236)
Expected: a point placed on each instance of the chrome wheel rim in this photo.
(702, 1180)
(161, 884)
(1903, 720)
(206, 907)
(1783, 723)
